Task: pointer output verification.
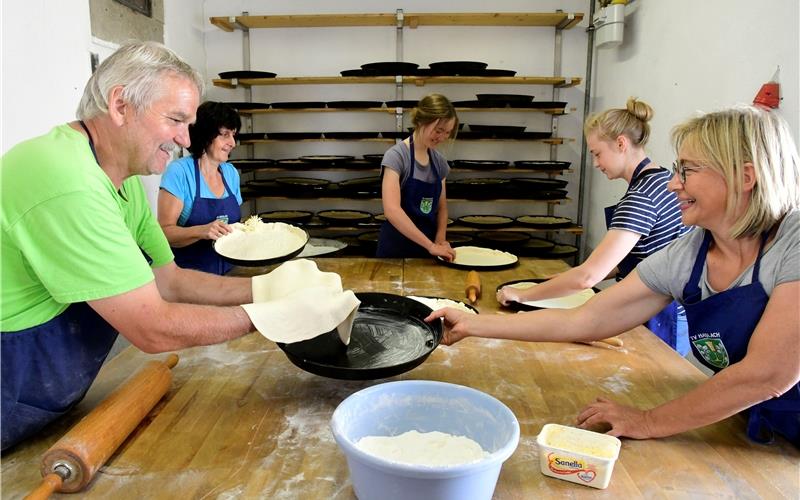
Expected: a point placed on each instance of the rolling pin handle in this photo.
(51, 483)
(171, 360)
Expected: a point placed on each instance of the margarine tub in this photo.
(577, 455)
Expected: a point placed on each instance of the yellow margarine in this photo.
(577, 455)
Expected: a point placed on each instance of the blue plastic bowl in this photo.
(393, 408)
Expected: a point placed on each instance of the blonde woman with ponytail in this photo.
(646, 219)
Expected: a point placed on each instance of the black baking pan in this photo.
(354, 104)
(265, 262)
(542, 164)
(459, 239)
(497, 72)
(248, 105)
(322, 247)
(503, 99)
(468, 306)
(533, 136)
(395, 135)
(266, 187)
(294, 136)
(517, 306)
(351, 135)
(358, 72)
(542, 105)
(561, 251)
(407, 103)
(251, 136)
(287, 216)
(491, 267)
(455, 68)
(369, 241)
(486, 221)
(303, 186)
(359, 164)
(540, 194)
(344, 217)
(544, 221)
(536, 247)
(327, 160)
(298, 105)
(362, 187)
(253, 163)
(376, 159)
(246, 74)
(389, 337)
(503, 240)
(480, 164)
(390, 68)
(539, 184)
(499, 131)
(473, 134)
(478, 188)
(294, 163)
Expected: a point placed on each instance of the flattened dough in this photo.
(566, 302)
(479, 256)
(297, 302)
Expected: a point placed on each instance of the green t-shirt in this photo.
(67, 234)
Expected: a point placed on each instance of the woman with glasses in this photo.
(646, 219)
(200, 194)
(738, 277)
(413, 185)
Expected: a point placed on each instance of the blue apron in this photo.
(200, 255)
(665, 323)
(47, 369)
(420, 201)
(719, 332)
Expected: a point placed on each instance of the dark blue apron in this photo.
(420, 201)
(200, 255)
(48, 368)
(719, 333)
(665, 323)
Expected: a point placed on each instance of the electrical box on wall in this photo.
(609, 23)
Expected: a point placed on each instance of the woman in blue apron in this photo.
(645, 220)
(738, 178)
(200, 195)
(413, 189)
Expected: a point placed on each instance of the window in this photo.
(142, 6)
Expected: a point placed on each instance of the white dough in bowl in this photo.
(480, 256)
(436, 303)
(434, 449)
(566, 302)
(256, 240)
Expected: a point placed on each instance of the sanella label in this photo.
(564, 466)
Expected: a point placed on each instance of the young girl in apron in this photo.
(413, 185)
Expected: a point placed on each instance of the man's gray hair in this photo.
(139, 67)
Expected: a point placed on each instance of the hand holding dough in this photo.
(298, 302)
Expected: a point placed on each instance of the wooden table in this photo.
(242, 422)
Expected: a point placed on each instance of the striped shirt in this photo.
(650, 210)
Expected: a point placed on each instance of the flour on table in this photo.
(433, 449)
(566, 302)
(256, 240)
(479, 256)
(297, 302)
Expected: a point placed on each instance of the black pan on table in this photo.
(246, 74)
(468, 306)
(389, 337)
(517, 306)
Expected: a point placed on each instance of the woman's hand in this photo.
(623, 420)
(508, 294)
(443, 250)
(215, 230)
(457, 324)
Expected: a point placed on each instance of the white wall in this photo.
(45, 65)
(684, 56)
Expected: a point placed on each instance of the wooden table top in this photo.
(241, 421)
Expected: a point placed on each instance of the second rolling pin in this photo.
(473, 288)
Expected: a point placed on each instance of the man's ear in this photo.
(118, 107)
(748, 177)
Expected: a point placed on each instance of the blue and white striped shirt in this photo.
(650, 210)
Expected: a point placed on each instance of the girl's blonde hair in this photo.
(630, 122)
(434, 107)
(725, 140)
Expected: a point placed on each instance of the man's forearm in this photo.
(197, 287)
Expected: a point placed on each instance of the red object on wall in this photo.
(769, 96)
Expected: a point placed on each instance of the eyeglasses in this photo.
(680, 168)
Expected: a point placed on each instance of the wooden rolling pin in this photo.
(473, 288)
(73, 460)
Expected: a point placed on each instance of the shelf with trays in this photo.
(400, 20)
